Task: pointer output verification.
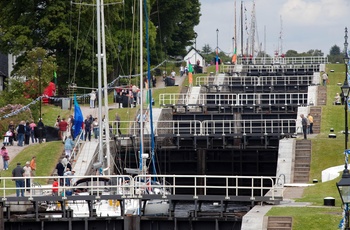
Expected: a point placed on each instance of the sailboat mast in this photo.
(105, 91)
(141, 118)
(235, 32)
(242, 40)
(99, 77)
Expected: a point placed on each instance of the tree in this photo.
(335, 50)
(292, 53)
(175, 30)
(206, 49)
(68, 31)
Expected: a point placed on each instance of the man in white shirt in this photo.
(27, 173)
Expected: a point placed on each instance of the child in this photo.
(55, 187)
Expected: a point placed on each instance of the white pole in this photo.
(105, 91)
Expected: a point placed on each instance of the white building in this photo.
(194, 57)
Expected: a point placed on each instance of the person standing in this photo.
(5, 157)
(12, 128)
(20, 132)
(41, 130)
(18, 172)
(304, 125)
(173, 74)
(55, 187)
(32, 126)
(311, 122)
(27, 173)
(92, 99)
(325, 78)
(60, 171)
(87, 126)
(33, 165)
(95, 127)
(27, 133)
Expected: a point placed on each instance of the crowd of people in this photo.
(23, 133)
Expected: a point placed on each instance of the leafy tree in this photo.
(68, 31)
(207, 49)
(335, 50)
(292, 53)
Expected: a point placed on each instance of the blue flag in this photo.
(78, 118)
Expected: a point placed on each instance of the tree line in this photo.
(63, 35)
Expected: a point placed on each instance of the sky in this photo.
(303, 24)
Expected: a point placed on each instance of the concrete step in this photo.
(279, 223)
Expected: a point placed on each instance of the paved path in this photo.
(86, 110)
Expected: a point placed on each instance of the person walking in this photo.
(325, 78)
(311, 122)
(304, 125)
(5, 157)
(63, 127)
(17, 173)
(27, 173)
(68, 146)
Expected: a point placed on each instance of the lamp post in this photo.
(344, 184)
(165, 73)
(345, 87)
(195, 47)
(344, 190)
(40, 63)
(217, 51)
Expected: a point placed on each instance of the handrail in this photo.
(208, 127)
(132, 187)
(214, 99)
(257, 81)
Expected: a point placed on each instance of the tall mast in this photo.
(242, 40)
(105, 91)
(235, 29)
(99, 77)
(281, 36)
(141, 86)
(252, 30)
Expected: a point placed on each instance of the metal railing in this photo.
(207, 127)
(283, 60)
(210, 99)
(133, 187)
(257, 81)
(244, 127)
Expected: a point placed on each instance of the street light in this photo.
(344, 190)
(344, 184)
(195, 47)
(40, 63)
(217, 51)
(164, 73)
